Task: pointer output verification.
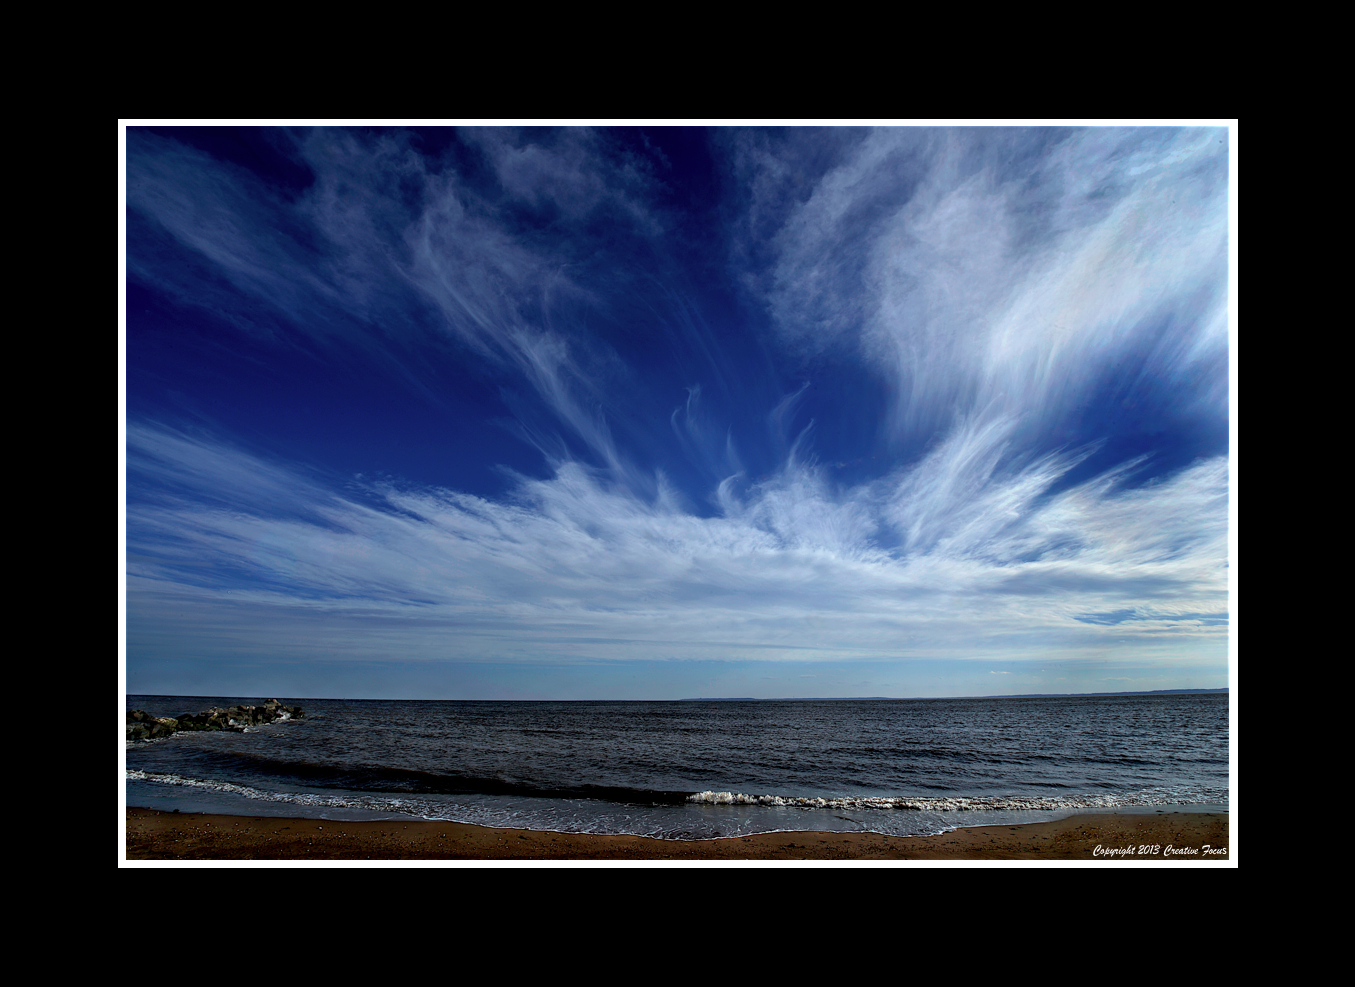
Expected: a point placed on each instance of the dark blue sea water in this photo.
(696, 769)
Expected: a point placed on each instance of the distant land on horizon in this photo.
(722, 699)
(1017, 695)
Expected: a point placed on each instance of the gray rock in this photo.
(142, 726)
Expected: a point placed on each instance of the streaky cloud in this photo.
(560, 395)
(591, 560)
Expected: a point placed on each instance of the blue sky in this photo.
(658, 412)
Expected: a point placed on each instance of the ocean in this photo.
(696, 769)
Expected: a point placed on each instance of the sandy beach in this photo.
(155, 835)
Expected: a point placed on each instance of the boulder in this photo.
(142, 726)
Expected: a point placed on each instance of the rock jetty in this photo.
(142, 726)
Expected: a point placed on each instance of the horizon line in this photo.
(712, 699)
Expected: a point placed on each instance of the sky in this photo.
(662, 412)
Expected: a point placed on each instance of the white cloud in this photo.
(924, 253)
(992, 306)
(342, 259)
(581, 567)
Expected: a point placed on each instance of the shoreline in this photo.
(153, 834)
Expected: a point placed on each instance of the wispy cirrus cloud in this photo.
(378, 249)
(795, 565)
(957, 394)
(980, 288)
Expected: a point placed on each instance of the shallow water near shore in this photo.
(696, 769)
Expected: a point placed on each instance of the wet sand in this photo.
(155, 835)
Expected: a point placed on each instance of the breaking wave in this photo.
(1160, 796)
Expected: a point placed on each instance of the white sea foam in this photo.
(1160, 796)
(404, 806)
